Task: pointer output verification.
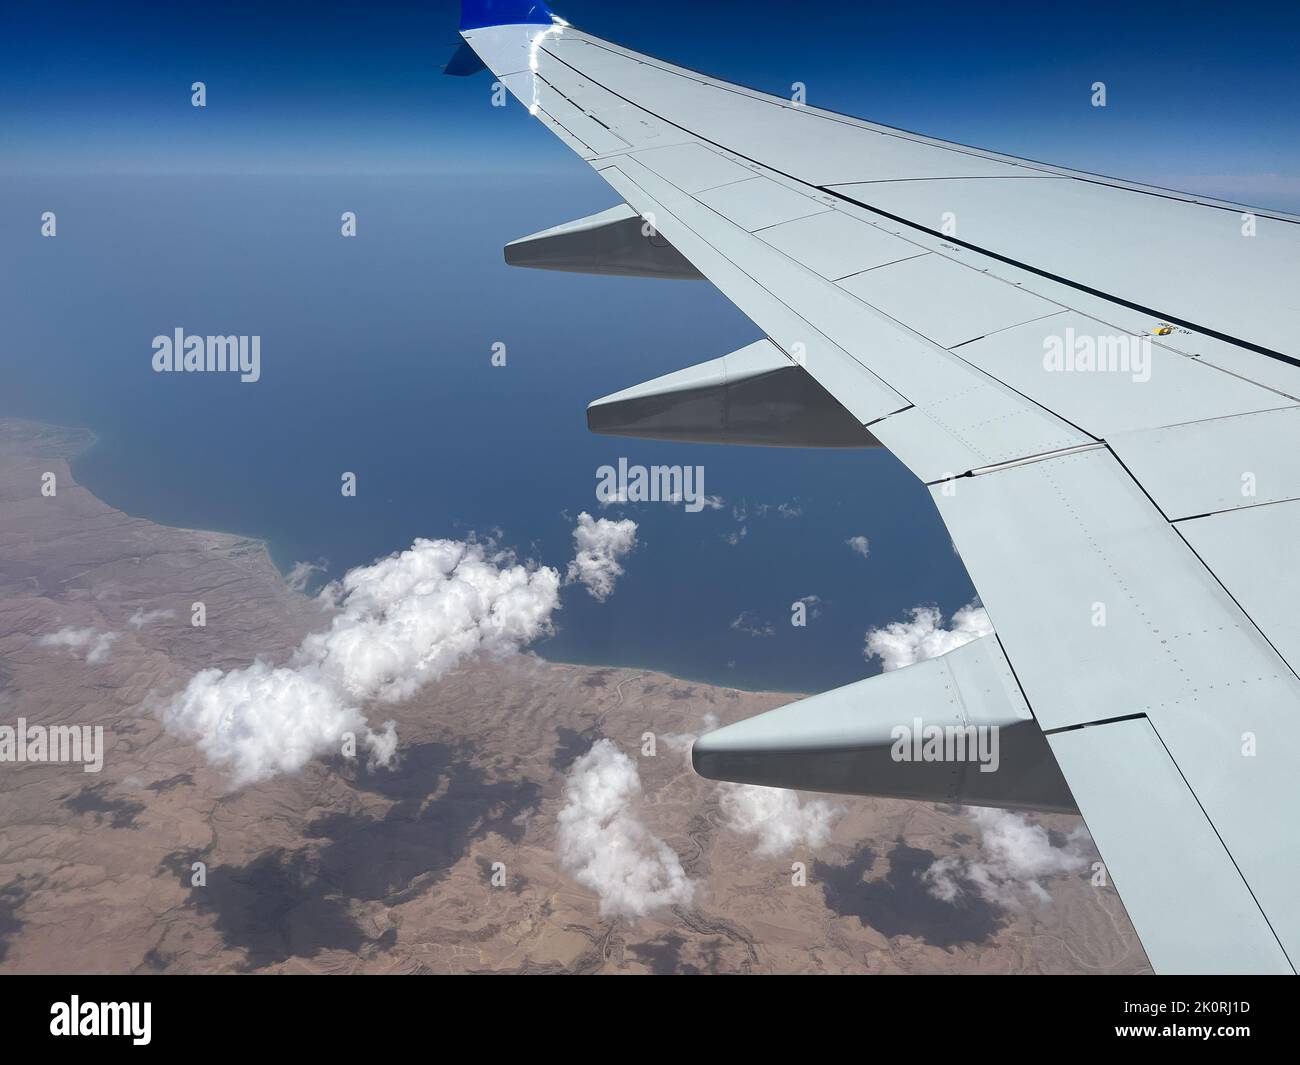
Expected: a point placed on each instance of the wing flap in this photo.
(1241, 548)
(1215, 465)
(1106, 614)
(1180, 887)
(1091, 588)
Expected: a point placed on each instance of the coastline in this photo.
(792, 694)
(339, 866)
(27, 436)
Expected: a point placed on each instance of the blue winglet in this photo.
(475, 14)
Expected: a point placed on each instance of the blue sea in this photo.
(376, 358)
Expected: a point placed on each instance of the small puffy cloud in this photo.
(399, 623)
(903, 643)
(776, 818)
(605, 846)
(301, 573)
(744, 512)
(860, 545)
(682, 741)
(143, 617)
(600, 544)
(96, 644)
(751, 624)
(1018, 856)
(812, 605)
(383, 745)
(792, 509)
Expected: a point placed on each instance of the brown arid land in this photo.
(341, 868)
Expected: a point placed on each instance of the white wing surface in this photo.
(1097, 379)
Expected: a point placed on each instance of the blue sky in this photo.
(1200, 96)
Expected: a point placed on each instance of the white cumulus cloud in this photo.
(903, 643)
(605, 846)
(1017, 857)
(399, 623)
(776, 818)
(96, 644)
(262, 720)
(860, 544)
(601, 544)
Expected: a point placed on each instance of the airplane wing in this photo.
(1097, 379)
